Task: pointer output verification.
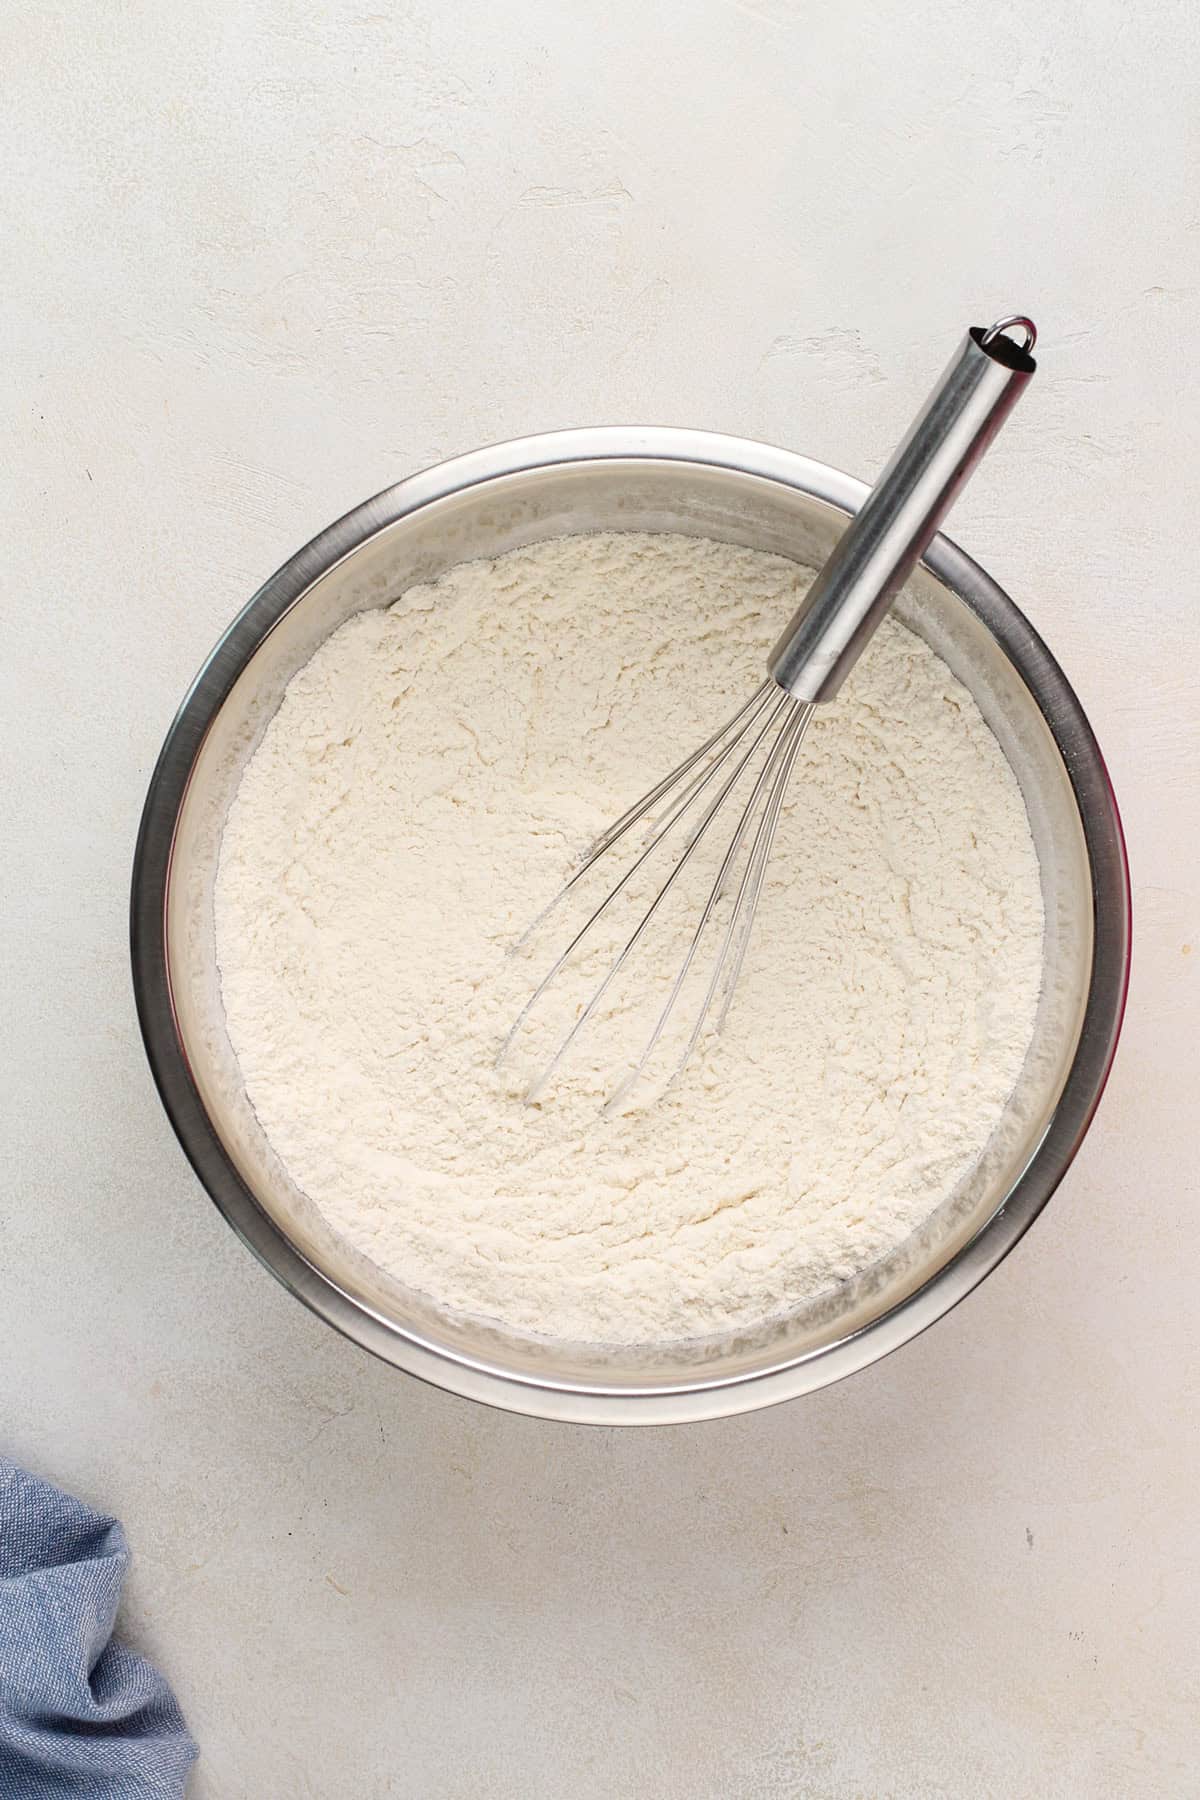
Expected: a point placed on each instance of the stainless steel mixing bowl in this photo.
(650, 480)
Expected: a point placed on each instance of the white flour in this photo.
(425, 786)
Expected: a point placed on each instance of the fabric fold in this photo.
(80, 1715)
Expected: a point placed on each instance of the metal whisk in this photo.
(758, 746)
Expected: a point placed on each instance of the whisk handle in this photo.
(880, 547)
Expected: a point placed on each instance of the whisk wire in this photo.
(536, 1088)
(756, 869)
(641, 807)
(615, 832)
(691, 793)
(767, 781)
(740, 924)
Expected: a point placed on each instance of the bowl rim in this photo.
(696, 1396)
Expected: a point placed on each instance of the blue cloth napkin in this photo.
(79, 1715)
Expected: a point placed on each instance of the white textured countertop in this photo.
(263, 260)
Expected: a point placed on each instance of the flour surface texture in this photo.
(430, 779)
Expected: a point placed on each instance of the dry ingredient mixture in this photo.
(428, 782)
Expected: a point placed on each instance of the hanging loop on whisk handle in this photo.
(881, 545)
